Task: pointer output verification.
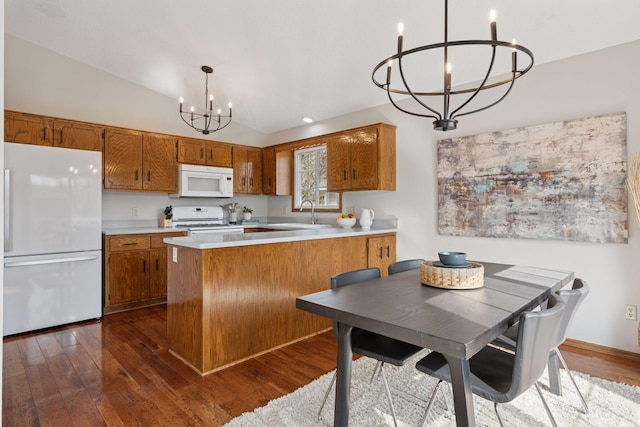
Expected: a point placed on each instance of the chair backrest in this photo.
(349, 278)
(572, 298)
(536, 338)
(407, 264)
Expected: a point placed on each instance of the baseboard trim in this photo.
(570, 344)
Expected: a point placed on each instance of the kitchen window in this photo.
(311, 179)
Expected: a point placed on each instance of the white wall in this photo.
(592, 84)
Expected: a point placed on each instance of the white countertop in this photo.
(212, 241)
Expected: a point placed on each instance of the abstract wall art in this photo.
(562, 180)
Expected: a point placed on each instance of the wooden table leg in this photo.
(462, 395)
(343, 376)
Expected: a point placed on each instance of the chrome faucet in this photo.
(313, 215)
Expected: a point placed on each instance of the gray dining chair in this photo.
(407, 264)
(573, 299)
(501, 376)
(369, 344)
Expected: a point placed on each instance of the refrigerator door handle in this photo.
(7, 211)
(50, 261)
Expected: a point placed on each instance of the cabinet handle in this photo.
(244, 180)
(388, 252)
(157, 266)
(344, 174)
(250, 182)
(202, 153)
(60, 140)
(130, 244)
(353, 174)
(211, 154)
(380, 252)
(44, 134)
(144, 265)
(136, 178)
(148, 175)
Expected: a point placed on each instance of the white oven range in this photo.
(199, 220)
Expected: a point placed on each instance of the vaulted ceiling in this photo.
(280, 60)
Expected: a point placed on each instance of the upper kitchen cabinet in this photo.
(276, 171)
(200, 152)
(78, 135)
(362, 159)
(139, 161)
(269, 171)
(28, 128)
(247, 170)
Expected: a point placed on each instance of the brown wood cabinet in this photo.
(362, 159)
(78, 135)
(200, 152)
(135, 270)
(381, 252)
(277, 167)
(269, 171)
(139, 161)
(247, 170)
(26, 128)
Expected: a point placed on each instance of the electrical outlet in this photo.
(631, 312)
(174, 254)
(134, 211)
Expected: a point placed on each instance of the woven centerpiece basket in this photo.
(452, 278)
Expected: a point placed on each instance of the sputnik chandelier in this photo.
(202, 122)
(447, 119)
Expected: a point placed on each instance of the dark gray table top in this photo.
(454, 322)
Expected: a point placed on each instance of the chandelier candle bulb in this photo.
(514, 61)
(494, 30)
(389, 72)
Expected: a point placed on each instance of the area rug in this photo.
(610, 403)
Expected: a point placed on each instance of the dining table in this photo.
(455, 323)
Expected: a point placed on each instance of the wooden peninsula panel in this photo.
(225, 305)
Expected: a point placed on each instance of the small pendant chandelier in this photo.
(205, 120)
(447, 119)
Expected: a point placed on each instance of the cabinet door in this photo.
(364, 159)
(381, 251)
(159, 163)
(158, 273)
(27, 129)
(239, 170)
(122, 159)
(128, 276)
(218, 154)
(191, 151)
(339, 162)
(78, 135)
(269, 171)
(284, 174)
(254, 171)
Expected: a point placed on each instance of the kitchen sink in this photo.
(299, 225)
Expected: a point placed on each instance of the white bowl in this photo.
(346, 222)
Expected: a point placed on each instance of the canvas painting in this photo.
(562, 180)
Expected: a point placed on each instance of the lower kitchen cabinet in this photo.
(135, 270)
(381, 252)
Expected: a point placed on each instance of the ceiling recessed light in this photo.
(307, 119)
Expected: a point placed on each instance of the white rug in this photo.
(610, 403)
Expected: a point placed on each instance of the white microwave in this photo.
(204, 181)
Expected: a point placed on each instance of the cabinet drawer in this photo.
(128, 243)
(156, 239)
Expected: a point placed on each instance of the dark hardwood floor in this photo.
(119, 372)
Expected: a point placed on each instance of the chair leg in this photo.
(566, 368)
(546, 407)
(431, 399)
(495, 408)
(386, 388)
(373, 375)
(326, 395)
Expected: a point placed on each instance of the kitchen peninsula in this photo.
(231, 297)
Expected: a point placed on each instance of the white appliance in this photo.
(204, 181)
(52, 237)
(203, 220)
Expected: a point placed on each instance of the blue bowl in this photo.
(452, 258)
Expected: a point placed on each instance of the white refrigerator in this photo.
(52, 237)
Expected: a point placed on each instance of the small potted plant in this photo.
(246, 213)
